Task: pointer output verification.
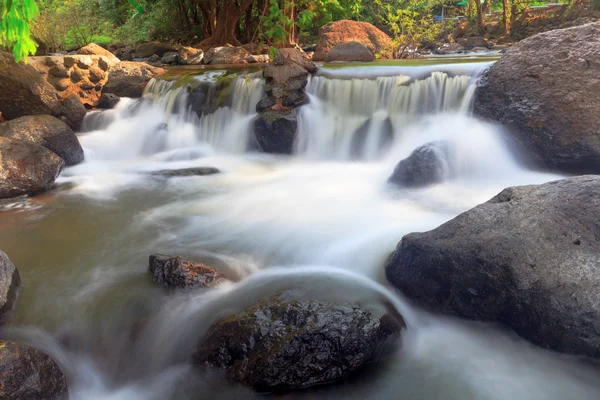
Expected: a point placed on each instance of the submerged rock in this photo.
(26, 168)
(177, 272)
(275, 130)
(10, 281)
(199, 171)
(46, 131)
(426, 165)
(281, 344)
(528, 258)
(350, 51)
(545, 90)
(28, 374)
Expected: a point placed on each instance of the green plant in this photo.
(14, 26)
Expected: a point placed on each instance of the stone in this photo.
(198, 171)
(93, 49)
(26, 169)
(476, 41)
(23, 91)
(177, 272)
(334, 33)
(426, 165)
(84, 62)
(86, 85)
(28, 374)
(128, 78)
(529, 258)
(282, 344)
(348, 52)
(545, 90)
(265, 103)
(295, 99)
(60, 84)
(153, 59)
(10, 282)
(108, 101)
(46, 131)
(73, 111)
(170, 57)
(77, 75)
(260, 59)
(145, 50)
(190, 56)
(96, 74)
(59, 71)
(275, 130)
(227, 55)
(299, 57)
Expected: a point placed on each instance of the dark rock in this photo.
(169, 58)
(147, 49)
(26, 168)
(46, 131)
(96, 74)
(108, 101)
(73, 111)
(298, 57)
(528, 258)
(275, 130)
(23, 91)
(10, 282)
(153, 59)
(177, 272)
(334, 33)
(281, 344)
(190, 56)
(28, 374)
(545, 90)
(476, 41)
(199, 171)
(295, 99)
(265, 103)
(128, 79)
(426, 165)
(59, 71)
(350, 51)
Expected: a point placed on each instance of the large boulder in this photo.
(426, 165)
(10, 282)
(177, 272)
(546, 91)
(23, 91)
(26, 168)
(227, 55)
(46, 131)
(284, 344)
(334, 33)
(350, 51)
(190, 56)
(148, 49)
(74, 111)
(275, 130)
(93, 49)
(528, 258)
(129, 78)
(28, 374)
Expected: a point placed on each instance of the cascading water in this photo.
(324, 220)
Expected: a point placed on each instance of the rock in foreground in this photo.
(46, 131)
(26, 168)
(10, 281)
(334, 33)
(28, 374)
(177, 272)
(546, 91)
(528, 258)
(280, 344)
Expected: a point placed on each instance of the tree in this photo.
(14, 26)
(223, 20)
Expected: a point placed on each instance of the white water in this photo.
(316, 221)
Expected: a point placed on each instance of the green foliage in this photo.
(14, 26)
(277, 24)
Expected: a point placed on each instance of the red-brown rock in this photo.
(334, 33)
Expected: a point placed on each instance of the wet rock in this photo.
(26, 168)
(344, 31)
(299, 57)
(10, 282)
(128, 79)
(177, 272)
(350, 51)
(450, 49)
(108, 101)
(275, 130)
(28, 374)
(227, 55)
(190, 56)
(545, 91)
(283, 344)
(528, 258)
(295, 99)
(154, 58)
(148, 49)
(93, 49)
(23, 91)
(199, 171)
(73, 111)
(169, 58)
(426, 165)
(46, 131)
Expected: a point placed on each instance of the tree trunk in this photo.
(505, 16)
(479, 15)
(226, 23)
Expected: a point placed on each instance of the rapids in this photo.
(324, 219)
